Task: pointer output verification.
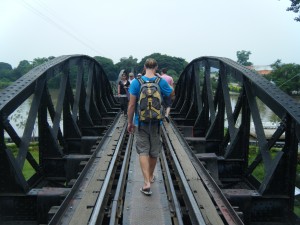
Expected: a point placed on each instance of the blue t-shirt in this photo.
(135, 87)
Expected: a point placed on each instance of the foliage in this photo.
(38, 61)
(234, 88)
(295, 6)
(8, 75)
(23, 68)
(5, 71)
(129, 64)
(108, 67)
(173, 64)
(33, 148)
(286, 77)
(4, 83)
(276, 64)
(5, 66)
(243, 57)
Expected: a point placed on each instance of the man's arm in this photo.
(130, 113)
(172, 93)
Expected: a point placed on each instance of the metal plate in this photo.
(141, 209)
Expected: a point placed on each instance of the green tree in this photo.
(286, 77)
(38, 61)
(295, 6)
(129, 64)
(5, 71)
(276, 64)
(108, 67)
(5, 66)
(174, 65)
(243, 57)
(23, 68)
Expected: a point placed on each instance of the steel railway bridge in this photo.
(86, 171)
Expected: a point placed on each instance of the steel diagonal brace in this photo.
(23, 149)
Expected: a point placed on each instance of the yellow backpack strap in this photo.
(141, 80)
(157, 79)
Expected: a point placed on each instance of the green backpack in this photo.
(150, 101)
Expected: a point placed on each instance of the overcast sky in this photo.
(119, 28)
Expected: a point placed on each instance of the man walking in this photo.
(148, 141)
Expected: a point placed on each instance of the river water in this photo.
(19, 117)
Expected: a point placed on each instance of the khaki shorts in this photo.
(148, 140)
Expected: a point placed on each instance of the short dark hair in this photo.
(164, 70)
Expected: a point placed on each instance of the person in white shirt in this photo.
(131, 77)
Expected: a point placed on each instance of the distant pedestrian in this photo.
(131, 77)
(167, 99)
(123, 92)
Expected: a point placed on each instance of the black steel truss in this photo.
(226, 131)
(82, 108)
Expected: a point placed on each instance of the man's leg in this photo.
(125, 106)
(168, 103)
(152, 164)
(145, 166)
(168, 111)
(156, 146)
(122, 104)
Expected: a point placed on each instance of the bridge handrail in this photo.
(267, 91)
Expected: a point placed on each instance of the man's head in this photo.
(151, 64)
(131, 76)
(164, 70)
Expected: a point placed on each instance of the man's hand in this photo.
(130, 128)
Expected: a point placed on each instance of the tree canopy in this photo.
(243, 57)
(5, 71)
(5, 66)
(286, 77)
(174, 65)
(295, 6)
(128, 64)
(108, 67)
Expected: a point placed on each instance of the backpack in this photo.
(150, 101)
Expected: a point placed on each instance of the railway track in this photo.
(104, 194)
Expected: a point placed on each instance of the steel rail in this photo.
(171, 186)
(99, 203)
(225, 207)
(64, 206)
(197, 216)
(121, 183)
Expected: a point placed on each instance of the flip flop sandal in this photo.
(153, 179)
(146, 191)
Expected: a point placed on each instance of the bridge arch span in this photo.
(72, 101)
